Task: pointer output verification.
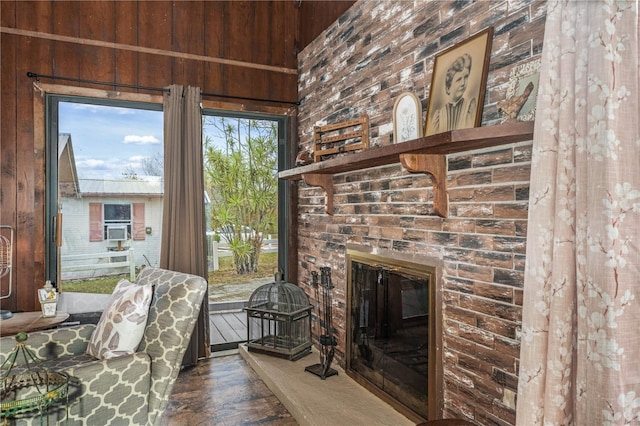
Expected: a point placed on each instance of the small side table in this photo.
(30, 321)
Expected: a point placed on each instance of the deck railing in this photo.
(221, 249)
(100, 261)
(113, 259)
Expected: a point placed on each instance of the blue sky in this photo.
(107, 140)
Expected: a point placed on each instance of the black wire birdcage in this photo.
(279, 320)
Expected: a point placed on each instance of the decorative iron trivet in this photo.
(27, 386)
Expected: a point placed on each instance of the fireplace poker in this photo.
(314, 283)
(324, 350)
(329, 340)
(326, 339)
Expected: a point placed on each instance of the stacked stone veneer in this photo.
(374, 52)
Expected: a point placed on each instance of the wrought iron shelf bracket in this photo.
(422, 155)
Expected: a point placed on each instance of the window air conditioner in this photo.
(116, 233)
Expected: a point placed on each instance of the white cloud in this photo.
(84, 107)
(125, 111)
(141, 140)
(90, 163)
(91, 168)
(102, 109)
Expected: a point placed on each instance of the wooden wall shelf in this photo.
(422, 155)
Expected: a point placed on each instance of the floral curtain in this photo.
(580, 352)
(184, 247)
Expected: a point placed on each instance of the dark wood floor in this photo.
(224, 391)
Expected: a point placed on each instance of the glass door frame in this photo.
(54, 94)
(284, 163)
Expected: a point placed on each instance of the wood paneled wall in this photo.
(234, 48)
(316, 16)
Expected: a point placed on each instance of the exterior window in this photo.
(117, 217)
(117, 221)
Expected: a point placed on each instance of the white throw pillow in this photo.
(123, 321)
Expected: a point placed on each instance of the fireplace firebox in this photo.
(392, 341)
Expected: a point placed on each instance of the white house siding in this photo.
(76, 228)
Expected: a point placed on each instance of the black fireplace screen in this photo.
(390, 331)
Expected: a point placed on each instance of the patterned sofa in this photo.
(128, 390)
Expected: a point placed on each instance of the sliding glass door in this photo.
(105, 188)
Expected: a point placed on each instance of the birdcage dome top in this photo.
(278, 296)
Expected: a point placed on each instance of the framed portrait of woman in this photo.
(458, 84)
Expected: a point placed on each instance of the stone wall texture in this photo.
(360, 64)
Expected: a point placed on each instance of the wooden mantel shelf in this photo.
(422, 155)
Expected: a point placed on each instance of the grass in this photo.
(225, 275)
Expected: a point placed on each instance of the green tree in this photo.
(241, 178)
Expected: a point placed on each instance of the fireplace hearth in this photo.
(392, 340)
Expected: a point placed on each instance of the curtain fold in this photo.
(183, 247)
(580, 347)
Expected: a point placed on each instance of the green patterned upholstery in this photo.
(173, 314)
(132, 389)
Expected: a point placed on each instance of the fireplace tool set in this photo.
(324, 324)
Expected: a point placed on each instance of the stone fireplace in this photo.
(393, 341)
(360, 65)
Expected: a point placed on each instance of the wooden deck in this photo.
(228, 327)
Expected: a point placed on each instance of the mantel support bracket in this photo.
(422, 155)
(435, 166)
(324, 181)
(432, 164)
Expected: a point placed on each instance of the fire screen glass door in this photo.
(390, 330)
